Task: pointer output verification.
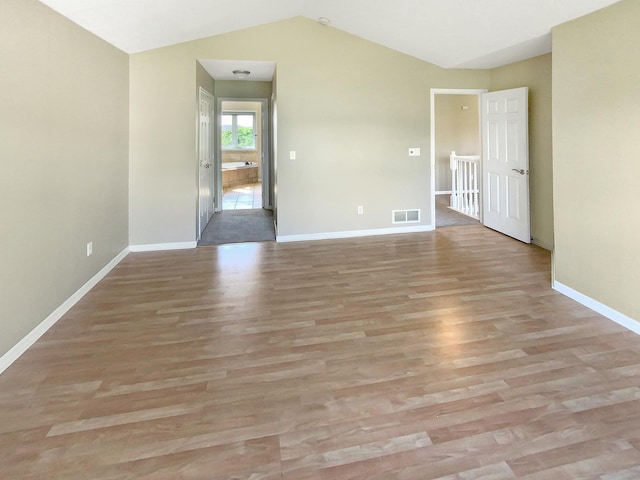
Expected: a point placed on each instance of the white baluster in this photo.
(464, 184)
(453, 167)
(475, 208)
(463, 187)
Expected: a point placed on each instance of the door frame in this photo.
(448, 91)
(203, 92)
(266, 167)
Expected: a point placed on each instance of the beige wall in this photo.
(63, 145)
(351, 128)
(457, 130)
(243, 89)
(204, 80)
(535, 73)
(162, 150)
(596, 97)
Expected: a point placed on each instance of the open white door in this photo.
(505, 162)
(205, 160)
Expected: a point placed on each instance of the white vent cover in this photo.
(406, 216)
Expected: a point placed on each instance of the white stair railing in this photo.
(464, 184)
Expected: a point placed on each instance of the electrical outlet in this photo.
(89, 248)
(292, 155)
(360, 210)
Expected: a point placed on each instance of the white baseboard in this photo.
(353, 233)
(620, 318)
(157, 247)
(19, 348)
(544, 245)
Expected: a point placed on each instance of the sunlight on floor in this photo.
(242, 197)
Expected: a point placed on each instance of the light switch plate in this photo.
(414, 152)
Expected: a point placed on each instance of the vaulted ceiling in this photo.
(448, 33)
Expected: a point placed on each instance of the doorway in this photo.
(455, 126)
(243, 174)
(500, 180)
(243, 142)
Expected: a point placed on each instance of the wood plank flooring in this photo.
(441, 355)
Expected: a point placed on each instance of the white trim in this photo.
(158, 247)
(444, 192)
(620, 318)
(353, 233)
(539, 243)
(23, 345)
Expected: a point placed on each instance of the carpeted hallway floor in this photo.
(238, 226)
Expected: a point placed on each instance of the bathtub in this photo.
(237, 165)
(239, 173)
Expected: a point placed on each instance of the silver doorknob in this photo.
(521, 171)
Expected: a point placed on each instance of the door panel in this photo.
(506, 162)
(493, 203)
(492, 129)
(205, 161)
(513, 105)
(513, 199)
(513, 152)
(492, 106)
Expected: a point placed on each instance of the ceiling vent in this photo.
(406, 216)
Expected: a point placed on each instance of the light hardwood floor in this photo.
(441, 355)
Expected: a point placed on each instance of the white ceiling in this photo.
(223, 69)
(448, 33)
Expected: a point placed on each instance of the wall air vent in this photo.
(406, 216)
